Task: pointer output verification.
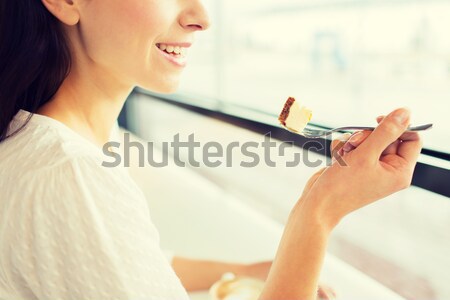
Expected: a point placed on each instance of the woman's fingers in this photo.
(392, 148)
(409, 151)
(337, 144)
(410, 146)
(389, 130)
(355, 140)
(346, 143)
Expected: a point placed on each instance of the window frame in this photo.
(430, 173)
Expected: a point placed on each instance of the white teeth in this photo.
(172, 49)
(169, 49)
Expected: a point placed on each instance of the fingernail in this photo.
(380, 118)
(345, 137)
(401, 116)
(356, 137)
(347, 147)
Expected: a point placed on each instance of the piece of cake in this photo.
(294, 117)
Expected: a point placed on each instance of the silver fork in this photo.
(317, 133)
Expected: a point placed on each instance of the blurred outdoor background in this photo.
(349, 61)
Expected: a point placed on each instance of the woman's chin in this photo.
(162, 87)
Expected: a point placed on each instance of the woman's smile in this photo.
(175, 53)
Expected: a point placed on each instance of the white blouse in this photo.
(70, 228)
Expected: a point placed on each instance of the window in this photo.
(348, 60)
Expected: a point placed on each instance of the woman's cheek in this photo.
(154, 17)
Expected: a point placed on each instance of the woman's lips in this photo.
(178, 60)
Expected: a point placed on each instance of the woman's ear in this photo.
(64, 10)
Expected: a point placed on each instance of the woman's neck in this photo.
(88, 104)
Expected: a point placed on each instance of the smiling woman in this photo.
(73, 229)
(59, 102)
(125, 50)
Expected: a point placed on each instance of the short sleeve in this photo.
(85, 233)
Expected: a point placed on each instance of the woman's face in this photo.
(132, 38)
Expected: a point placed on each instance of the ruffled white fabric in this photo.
(70, 228)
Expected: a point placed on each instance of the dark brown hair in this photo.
(34, 58)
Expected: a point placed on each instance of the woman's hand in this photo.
(354, 140)
(377, 164)
(337, 155)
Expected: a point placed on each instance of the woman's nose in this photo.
(194, 17)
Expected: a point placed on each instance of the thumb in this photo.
(387, 132)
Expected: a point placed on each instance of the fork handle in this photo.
(410, 128)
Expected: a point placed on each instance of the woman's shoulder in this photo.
(41, 144)
(46, 152)
(43, 160)
(46, 147)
